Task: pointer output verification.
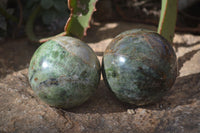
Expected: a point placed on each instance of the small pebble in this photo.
(130, 111)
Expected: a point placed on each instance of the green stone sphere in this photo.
(64, 72)
(139, 66)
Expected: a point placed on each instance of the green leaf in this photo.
(48, 16)
(30, 3)
(46, 4)
(167, 21)
(81, 12)
(60, 5)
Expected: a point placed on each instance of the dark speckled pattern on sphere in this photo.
(139, 66)
(64, 72)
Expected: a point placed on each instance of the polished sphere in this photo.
(64, 72)
(139, 66)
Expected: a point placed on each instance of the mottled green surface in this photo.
(139, 66)
(64, 72)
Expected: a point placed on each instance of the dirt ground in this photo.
(178, 112)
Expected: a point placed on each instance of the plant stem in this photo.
(29, 25)
(48, 38)
(167, 21)
(20, 14)
(20, 18)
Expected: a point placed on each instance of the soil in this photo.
(178, 112)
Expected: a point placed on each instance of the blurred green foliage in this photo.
(4, 14)
(52, 13)
(50, 9)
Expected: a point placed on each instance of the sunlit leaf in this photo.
(167, 21)
(81, 12)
